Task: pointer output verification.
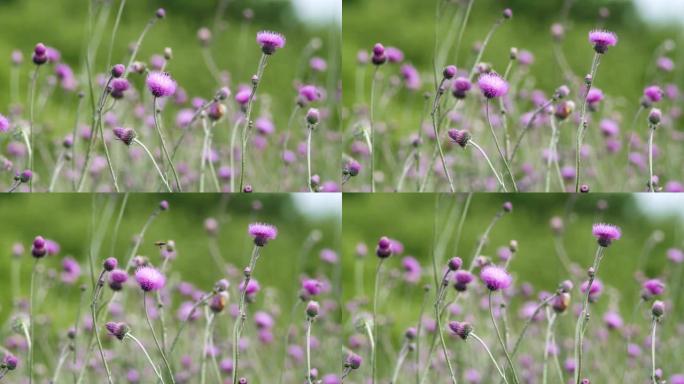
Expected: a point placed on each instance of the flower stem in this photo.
(149, 359)
(248, 115)
(163, 144)
(375, 323)
(584, 317)
(549, 334)
(498, 147)
(400, 361)
(159, 171)
(242, 315)
(653, 348)
(435, 129)
(308, 156)
(31, 345)
(651, 133)
(491, 166)
(501, 341)
(473, 335)
(582, 122)
(34, 80)
(156, 340)
(372, 129)
(97, 289)
(309, 322)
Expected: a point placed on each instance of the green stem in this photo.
(242, 314)
(582, 122)
(159, 171)
(248, 115)
(372, 129)
(498, 147)
(149, 359)
(491, 166)
(498, 369)
(501, 341)
(163, 144)
(34, 80)
(156, 340)
(375, 322)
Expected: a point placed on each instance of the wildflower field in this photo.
(554, 96)
(134, 289)
(428, 279)
(168, 96)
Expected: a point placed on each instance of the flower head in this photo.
(270, 41)
(461, 280)
(262, 233)
(126, 135)
(117, 278)
(462, 329)
(10, 362)
(652, 287)
(602, 40)
(606, 233)
(161, 84)
(118, 330)
(353, 361)
(492, 85)
(4, 124)
(460, 137)
(495, 278)
(149, 279)
(653, 93)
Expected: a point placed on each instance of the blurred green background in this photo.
(67, 219)
(410, 219)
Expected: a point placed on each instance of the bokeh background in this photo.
(416, 220)
(68, 220)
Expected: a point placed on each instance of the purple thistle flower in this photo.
(110, 264)
(70, 270)
(118, 330)
(4, 124)
(270, 41)
(653, 287)
(318, 64)
(384, 249)
(161, 84)
(262, 233)
(263, 320)
(461, 329)
(149, 279)
(411, 77)
(653, 93)
(460, 137)
(412, 269)
(10, 362)
(352, 168)
(253, 287)
(461, 86)
(117, 278)
(675, 255)
(394, 55)
(495, 278)
(119, 86)
(461, 280)
(606, 233)
(492, 85)
(126, 135)
(353, 361)
(602, 40)
(613, 320)
(594, 96)
(308, 93)
(38, 248)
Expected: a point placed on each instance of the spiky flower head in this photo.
(161, 84)
(262, 233)
(606, 233)
(602, 39)
(492, 85)
(270, 41)
(149, 279)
